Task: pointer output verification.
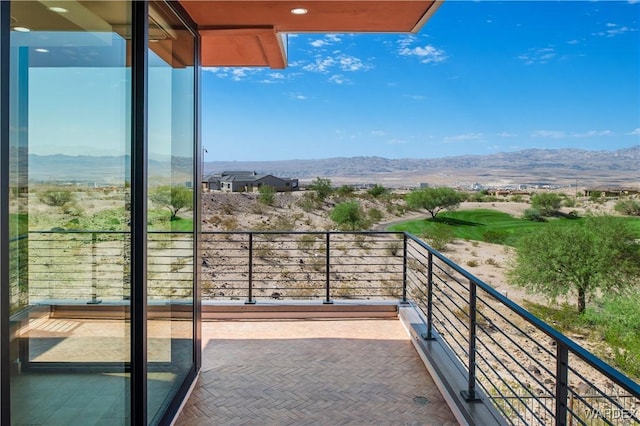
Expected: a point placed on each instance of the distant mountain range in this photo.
(603, 167)
(552, 165)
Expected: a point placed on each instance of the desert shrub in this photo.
(228, 208)
(516, 198)
(439, 236)
(377, 191)
(257, 208)
(533, 215)
(266, 195)
(628, 207)
(477, 197)
(375, 215)
(284, 223)
(345, 190)
(308, 202)
(569, 202)
(229, 223)
(56, 197)
(306, 242)
(596, 196)
(495, 236)
(322, 188)
(393, 248)
(491, 261)
(215, 220)
(472, 263)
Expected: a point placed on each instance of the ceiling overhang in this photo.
(251, 32)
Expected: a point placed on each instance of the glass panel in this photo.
(70, 144)
(171, 196)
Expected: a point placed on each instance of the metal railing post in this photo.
(404, 270)
(250, 300)
(327, 300)
(429, 335)
(94, 273)
(470, 393)
(562, 380)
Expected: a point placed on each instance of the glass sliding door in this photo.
(69, 212)
(171, 189)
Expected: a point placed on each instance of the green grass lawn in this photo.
(484, 225)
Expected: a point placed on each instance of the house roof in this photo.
(252, 32)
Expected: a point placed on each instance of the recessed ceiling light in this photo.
(58, 9)
(299, 11)
(21, 29)
(41, 50)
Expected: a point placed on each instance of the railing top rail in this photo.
(88, 231)
(574, 348)
(305, 232)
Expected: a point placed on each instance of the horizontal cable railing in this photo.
(250, 266)
(93, 267)
(532, 373)
(529, 371)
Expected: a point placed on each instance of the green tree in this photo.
(266, 195)
(434, 200)
(377, 190)
(599, 254)
(348, 215)
(547, 203)
(322, 186)
(175, 198)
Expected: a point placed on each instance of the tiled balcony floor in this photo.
(312, 372)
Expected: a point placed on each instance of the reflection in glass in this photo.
(171, 195)
(70, 86)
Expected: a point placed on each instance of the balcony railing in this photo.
(532, 373)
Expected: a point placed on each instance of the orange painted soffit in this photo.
(250, 32)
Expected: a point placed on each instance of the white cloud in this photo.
(592, 133)
(538, 55)
(427, 54)
(635, 132)
(506, 135)
(463, 137)
(319, 43)
(416, 97)
(573, 42)
(327, 40)
(338, 79)
(613, 30)
(351, 63)
(320, 64)
(406, 41)
(298, 96)
(554, 134)
(344, 62)
(395, 141)
(377, 133)
(235, 74)
(559, 134)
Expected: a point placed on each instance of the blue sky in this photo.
(479, 78)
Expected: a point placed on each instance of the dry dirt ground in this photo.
(489, 262)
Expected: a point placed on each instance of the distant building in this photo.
(608, 191)
(247, 181)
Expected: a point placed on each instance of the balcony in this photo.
(489, 359)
